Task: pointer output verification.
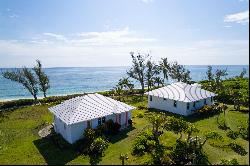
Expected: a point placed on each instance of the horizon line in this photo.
(130, 66)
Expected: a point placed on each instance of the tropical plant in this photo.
(123, 157)
(138, 69)
(98, 146)
(234, 161)
(165, 68)
(157, 121)
(179, 73)
(158, 81)
(144, 142)
(176, 125)
(151, 70)
(25, 77)
(42, 78)
(189, 151)
(210, 75)
(89, 135)
(243, 73)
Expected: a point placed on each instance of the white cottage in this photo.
(180, 98)
(72, 116)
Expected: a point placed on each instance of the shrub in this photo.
(98, 146)
(16, 103)
(229, 162)
(244, 130)
(233, 134)
(144, 143)
(237, 148)
(208, 110)
(140, 115)
(213, 135)
(89, 135)
(141, 107)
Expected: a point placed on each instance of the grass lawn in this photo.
(20, 143)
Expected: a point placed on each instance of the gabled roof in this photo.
(88, 107)
(182, 92)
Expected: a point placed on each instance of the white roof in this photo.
(88, 107)
(182, 92)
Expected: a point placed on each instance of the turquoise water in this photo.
(70, 80)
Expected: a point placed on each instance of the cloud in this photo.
(56, 36)
(241, 17)
(57, 54)
(13, 15)
(116, 37)
(228, 26)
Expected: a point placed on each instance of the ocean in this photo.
(69, 80)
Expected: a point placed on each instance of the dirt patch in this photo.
(44, 132)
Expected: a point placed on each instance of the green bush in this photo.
(233, 134)
(16, 103)
(144, 143)
(140, 115)
(244, 130)
(26, 102)
(229, 162)
(89, 135)
(213, 135)
(98, 146)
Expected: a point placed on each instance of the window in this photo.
(175, 103)
(103, 119)
(150, 98)
(164, 99)
(99, 121)
(205, 101)
(88, 124)
(188, 105)
(194, 104)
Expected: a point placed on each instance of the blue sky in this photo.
(103, 32)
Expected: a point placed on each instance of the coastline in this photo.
(13, 99)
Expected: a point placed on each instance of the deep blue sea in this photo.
(69, 80)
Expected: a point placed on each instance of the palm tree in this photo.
(123, 157)
(165, 68)
(159, 81)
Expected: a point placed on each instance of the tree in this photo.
(177, 125)
(159, 81)
(118, 91)
(218, 77)
(25, 77)
(244, 72)
(165, 68)
(157, 121)
(137, 71)
(126, 84)
(209, 73)
(151, 70)
(123, 157)
(237, 96)
(42, 78)
(179, 73)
